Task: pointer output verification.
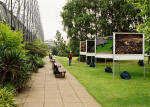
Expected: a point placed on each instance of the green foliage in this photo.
(22, 80)
(7, 96)
(34, 48)
(61, 46)
(74, 46)
(36, 62)
(145, 27)
(39, 62)
(9, 38)
(87, 18)
(9, 87)
(41, 45)
(54, 50)
(82, 58)
(13, 67)
(11, 62)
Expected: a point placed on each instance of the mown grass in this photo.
(113, 93)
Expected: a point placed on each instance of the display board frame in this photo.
(83, 53)
(128, 56)
(90, 53)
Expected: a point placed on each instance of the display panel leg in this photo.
(144, 68)
(116, 66)
(113, 69)
(79, 58)
(95, 61)
(86, 59)
(119, 66)
(105, 62)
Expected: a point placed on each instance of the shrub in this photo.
(55, 50)
(7, 96)
(9, 38)
(21, 81)
(9, 88)
(11, 62)
(36, 62)
(40, 62)
(41, 45)
(34, 49)
(13, 67)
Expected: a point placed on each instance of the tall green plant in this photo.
(7, 97)
(36, 48)
(14, 67)
(9, 38)
(145, 27)
(36, 62)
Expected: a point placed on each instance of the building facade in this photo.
(23, 15)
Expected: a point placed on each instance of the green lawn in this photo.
(106, 48)
(113, 93)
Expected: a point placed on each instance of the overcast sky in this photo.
(50, 16)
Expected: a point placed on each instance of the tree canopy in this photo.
(87, 19)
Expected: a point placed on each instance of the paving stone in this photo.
(33, 104)
(74, 104)
(53, 104)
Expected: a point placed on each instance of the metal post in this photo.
(105, 62)
(86, 59)
(144, 68)
(119, 66)
(113, 69)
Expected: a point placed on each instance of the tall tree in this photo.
(85, 19)
(145, 27)
(61, 44)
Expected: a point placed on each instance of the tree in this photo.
(74, 46)
(61, 45)
(145, 27)
(59, 38)
(85, 19)
(9, 38)
(54, 50)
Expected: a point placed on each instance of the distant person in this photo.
(70, 58)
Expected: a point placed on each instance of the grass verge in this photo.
(113, 93)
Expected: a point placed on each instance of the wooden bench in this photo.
(58, 70)
(51, 58)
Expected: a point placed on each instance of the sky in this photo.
(50, 11)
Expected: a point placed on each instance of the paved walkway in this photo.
(48, 91)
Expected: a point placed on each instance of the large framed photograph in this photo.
(82, 47)
(90, 48)
(104, 47)
(128, 46)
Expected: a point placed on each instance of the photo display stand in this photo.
(128, 46)
(90, 49)
(104, 47)
(82, 49)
